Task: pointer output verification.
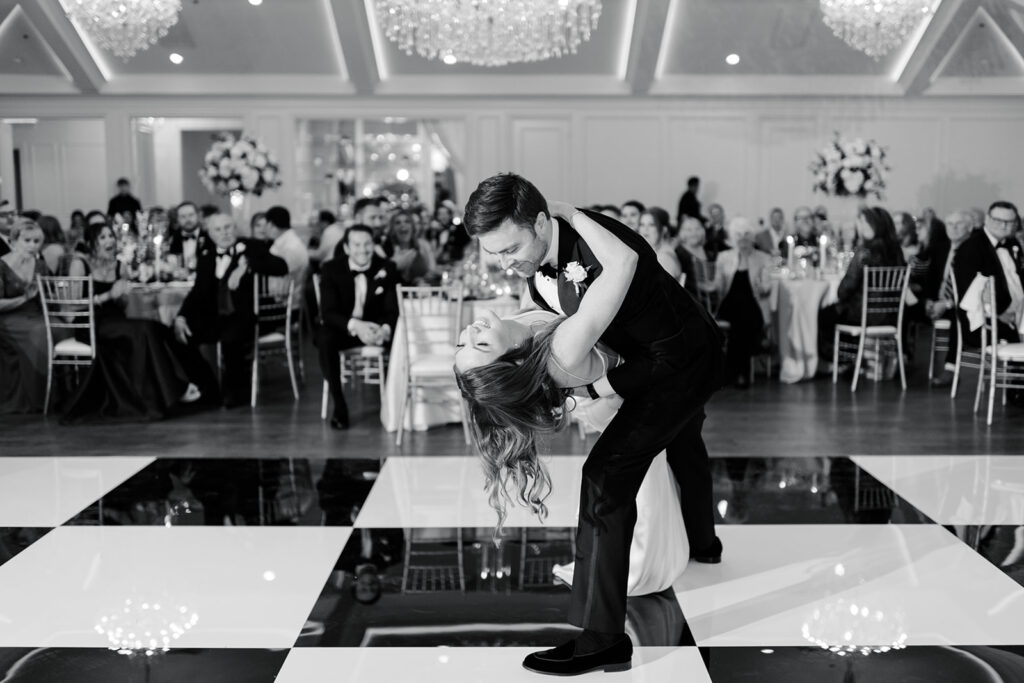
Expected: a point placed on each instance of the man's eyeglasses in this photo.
(1008, 222)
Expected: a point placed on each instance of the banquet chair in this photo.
(430, 564)
(707, 287)
(431, 318)
(275, 308)
(67, 305)
(885, 293)
(764, 355)
(368, 362)
(997, 357)
(540, 550)
(942, 328)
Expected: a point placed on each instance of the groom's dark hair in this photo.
(503, 197)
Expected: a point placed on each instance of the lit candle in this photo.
(157, 241)
(791, 250)
(822, 251)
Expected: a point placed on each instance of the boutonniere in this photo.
(381, 274)
(378, 291)
(576, 274)
(239, 248)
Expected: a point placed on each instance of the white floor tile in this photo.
(455, 665)
(981, 489)
(250, 587)
(448, 491)
(774, 579)
(49, 491)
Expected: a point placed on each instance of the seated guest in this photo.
(412, 256)
(7, 216)
(743, 279)
(23, 350)
(959, 224)
(630, 213)
(53, 243)
(906, 233)
(358, 306)
(140, 372)
(803, 229)
(716, 239)
(992, 252)
(928, 265)
(878, 247)
(611, 211)
(452, 238)
(653, 227)
(822, 225)
(258, 227)
(220, 308)
(123, 203)
(692, 254)
(286, 244)
(772, 240)
(365, 212)
(187, 240)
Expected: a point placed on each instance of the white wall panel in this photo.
(620, 160)
(983, 162)
(717, 149)
(541, 149)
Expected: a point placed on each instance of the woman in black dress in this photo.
(140, 372)
(23, 349)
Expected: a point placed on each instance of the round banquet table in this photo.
(421, 414)
(796, 304)
(156, 301)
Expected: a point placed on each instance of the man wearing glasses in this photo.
(994, 251)
(7, 215)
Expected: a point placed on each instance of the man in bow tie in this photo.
(187, 240)
(358, 307)
(220, 306)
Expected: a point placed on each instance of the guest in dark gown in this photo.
(140, 372)
(743, 281)
(23, 350)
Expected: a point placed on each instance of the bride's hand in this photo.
(561, 209)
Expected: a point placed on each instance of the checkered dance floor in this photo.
(835, 569)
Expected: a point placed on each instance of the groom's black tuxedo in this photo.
(673, 363)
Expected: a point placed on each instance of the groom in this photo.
(673, 363)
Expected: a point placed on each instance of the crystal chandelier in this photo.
(875, 27)
(488, 32)
(124, 27)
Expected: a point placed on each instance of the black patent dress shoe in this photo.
(710, 555)
(563, 660)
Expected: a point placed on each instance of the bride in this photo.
(521, 378)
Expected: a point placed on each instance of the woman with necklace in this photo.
(140, 371)
(23, 349)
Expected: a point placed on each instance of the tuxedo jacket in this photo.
(763, 241)
(660, 328)
(5, 248)
(977, 256)
(338, 294)
(175, 243)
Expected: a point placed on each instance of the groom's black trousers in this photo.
(670, 417)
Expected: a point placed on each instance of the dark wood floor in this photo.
(770, 419)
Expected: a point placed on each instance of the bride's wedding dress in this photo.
(660, 550)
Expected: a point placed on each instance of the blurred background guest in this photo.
(76, 230)
(630, 213)
(412, 256)
(123, 203)
(689, 205)
(258, 227)
(822, 225)
(186, 241)
(772, 240)
(959, 225)
(878, 246)
(928, 265)
(285, 243)
(7, 216)
(654, 228)
(716, 239)
(611, 211)
(54, 240)
(803, 228)
(906, 233)
(743, 278)
(23, 349)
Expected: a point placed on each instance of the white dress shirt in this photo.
(289, 247)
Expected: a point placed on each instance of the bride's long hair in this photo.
(511, 403)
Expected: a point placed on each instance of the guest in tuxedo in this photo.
(689, 205)
(7, 215)
(187, 240)
(803, 228)
(219, 308)
(411, 255)
(879, 246)
(124, 203)
(716, 238)
(959, 225)
(654, 229)
(358, 307)
(993, 252)
(630, 212)
(23, 349)
(772, 240)
(743, 281)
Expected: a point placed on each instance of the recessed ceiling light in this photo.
(733, 59)
(450, 59)
(176, 58)
(255, 3)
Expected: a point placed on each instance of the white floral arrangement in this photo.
(242, 165)
(850, 168)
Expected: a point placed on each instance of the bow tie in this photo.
(226, 252)
(1008, 243)
(548, 271)
(188, 237)
(364, 271)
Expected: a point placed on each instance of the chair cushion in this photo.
(272, 338)
(872, 330)
(1010, 352)
(71, 347)
(364, 351)
(942, 324)
(432, 366)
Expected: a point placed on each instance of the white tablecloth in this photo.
(422, 415)
(156, 301)
(796, 304)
